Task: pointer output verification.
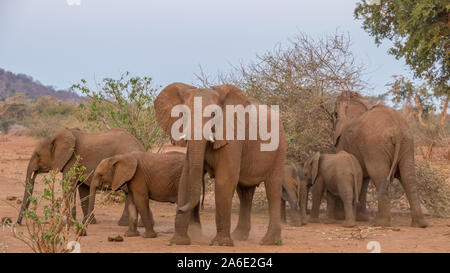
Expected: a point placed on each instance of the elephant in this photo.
(380, 138)
(340, 176)
(58, 152)
(236, 164)
(144, 176)
(295, 191)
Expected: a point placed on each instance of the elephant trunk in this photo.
(92, 190)
(286, 196)
(196, 157)
(29, 187)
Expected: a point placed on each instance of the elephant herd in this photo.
(372, 144)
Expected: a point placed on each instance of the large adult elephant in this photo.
(236, 164)
(59, 152)
(383, 144)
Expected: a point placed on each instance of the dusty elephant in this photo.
(383, 144)
(235, 164)
(59, 152)
(144, 176)
(340, 176)
(295, 192)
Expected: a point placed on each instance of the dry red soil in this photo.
(16, 150)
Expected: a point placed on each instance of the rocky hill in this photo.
(11, 84)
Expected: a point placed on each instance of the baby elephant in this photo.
(144, 176)
(295, 192)
(341, 176)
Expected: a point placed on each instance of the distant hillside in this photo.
(11, 84)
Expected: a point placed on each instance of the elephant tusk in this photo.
(211, 138)
(184, 208)
(183, 137)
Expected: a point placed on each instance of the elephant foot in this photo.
(314, 220)
(131, 233)
(419, 222)
(180, 240)
(240, 234)
(362, 216)
(272, 238)
(149, 234)
(349, 223)
(382, 221)
(221, 241)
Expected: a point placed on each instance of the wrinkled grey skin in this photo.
(59, 152)
(380, 138)
(295, 192)
(340, 176)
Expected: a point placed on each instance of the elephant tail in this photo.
(287, 197)
(355, 182)
(386, 182)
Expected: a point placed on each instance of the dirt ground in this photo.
(16, 150)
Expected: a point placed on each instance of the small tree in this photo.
(125, 103)
(50, 225)
(303, 78)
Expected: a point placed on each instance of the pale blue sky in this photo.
(167, 40)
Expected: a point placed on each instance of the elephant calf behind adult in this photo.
(295, 191)
(59, 152)
(147, 176)
(340, 175)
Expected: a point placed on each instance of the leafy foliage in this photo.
(303, 78)
(125, 103)
(49, 222)
(420, 32)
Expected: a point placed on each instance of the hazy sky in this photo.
(58, 44)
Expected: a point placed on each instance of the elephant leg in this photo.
(83, 191)
(296, 217)
(195, 227)
(346, 194)
(141, 201)
(273, 192)
(123, 221)
(383, 217)
(361, 210)
(339, 212)
(245, 207)
(317, 192)
(182, 219)
(303, 202)
(132, 213)
(331, 203)
(283, 211)
(224, 190)
(408, 180)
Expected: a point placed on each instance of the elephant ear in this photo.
(315, 167)
(170, 96)
(62, 147)
(229, 95)
(124, 168)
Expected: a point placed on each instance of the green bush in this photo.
(125, 103)
(434, 189)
